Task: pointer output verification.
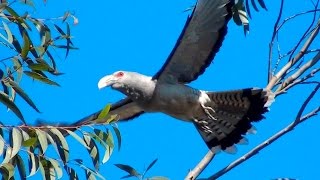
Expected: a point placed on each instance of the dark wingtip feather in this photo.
(259, 100)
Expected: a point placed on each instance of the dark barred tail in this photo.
(231, 115)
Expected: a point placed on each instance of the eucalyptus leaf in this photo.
(4, 98)
(24, 96)
(40, 77)
(93, 150)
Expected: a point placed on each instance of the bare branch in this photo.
(275, 79)
(298, 81)
(275, 30)
(299, 72)
(193, 174)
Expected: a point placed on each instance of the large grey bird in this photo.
(222, 118)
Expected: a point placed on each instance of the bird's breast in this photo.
(178, 101)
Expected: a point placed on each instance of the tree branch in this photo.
(193, 174)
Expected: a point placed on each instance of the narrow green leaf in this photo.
(118, 135)
(16, 44)
(96, 173)
(78, 138)
(26, 46)
(47, 170)
(18, 161)
(29, 142)
(21, 21)
(93, 150)
(56, 167)
(59, 30)
(262, 4)
(17, 66)
(89, 175)
(130, 170)
(7, 156)
(103, 114)
(63, 146)
(71, 172)
(33, 164)
(106, 156)
(65, 47)
(22, 94)
(41, 78)
(7, 169)
(51, 60)
(151, 165)
(40, 67)
(6, 101)
(2, 143)
(9, 38)
(42, 137)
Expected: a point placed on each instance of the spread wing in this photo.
(126, 109)
(198, 43)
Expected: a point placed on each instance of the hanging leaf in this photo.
(33, 163)
(93, 150)
(262, 4)
(9, 38)
(22, 94)
(118, 135)
(151, 165)
(16, 44)
(29, 142)
(4, 98)
(2, 145)
(130, 170)
(16, 141)
(42, 138)
(91, 171)
(90, 176)
(17, 66)
(7, 156)
(56, 166)
(240, 16)
(71, 172)
(78, 138)
(26, 46)
(18, 161)
(46, 170)
(62, 144)
(7, 170)
(41, 78)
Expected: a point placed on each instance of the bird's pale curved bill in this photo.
(105, 81)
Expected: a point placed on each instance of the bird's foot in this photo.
(203, 125)
(207, 110)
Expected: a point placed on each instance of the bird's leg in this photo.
(206, 109)
(203, 125)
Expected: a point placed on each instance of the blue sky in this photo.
(138, 35)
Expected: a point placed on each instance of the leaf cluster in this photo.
(29, 43)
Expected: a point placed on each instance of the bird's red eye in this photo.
(119, 74)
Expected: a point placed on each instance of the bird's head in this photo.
(114, 80)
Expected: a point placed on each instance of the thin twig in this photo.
(272, 39)
(275, 79)
(298, 81)
(299, 72)
(273, 138)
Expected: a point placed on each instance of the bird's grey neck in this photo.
(140, 89)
